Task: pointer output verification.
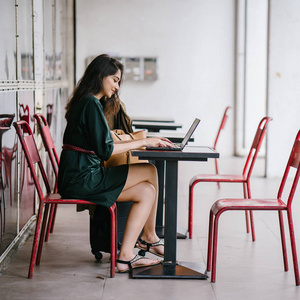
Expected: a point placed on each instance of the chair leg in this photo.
(217, 170)
(42, 234)
(116, 232)
(247, 221)
(50, 221)
(250, 212)
(283, 242)
(293, 246)
(191, 203)
(53, 219)
(209, 245)
(214, 251)
(246, 211)
(252, 225)
(35, 241)
(112, 211)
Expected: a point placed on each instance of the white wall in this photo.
(284, 82)
(194, 42)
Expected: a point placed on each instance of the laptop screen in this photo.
(190, 132)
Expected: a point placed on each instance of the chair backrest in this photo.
(256, 144)
(222, 125)
(48, 141)
(32, 156)
(293, 162)
(6, 120)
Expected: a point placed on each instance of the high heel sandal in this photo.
(134, 260)
(147, 247)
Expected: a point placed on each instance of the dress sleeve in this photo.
(98, 131)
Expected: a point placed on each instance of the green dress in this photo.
(81, 175)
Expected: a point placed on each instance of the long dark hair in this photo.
(92, 83)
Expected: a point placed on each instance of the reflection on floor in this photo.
(245, 270)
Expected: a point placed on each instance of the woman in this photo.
(82, 177)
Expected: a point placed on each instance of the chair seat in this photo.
(56, 198)
(248, 204)
(218, 178)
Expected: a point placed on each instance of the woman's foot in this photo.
(124, 266)
(156, 248)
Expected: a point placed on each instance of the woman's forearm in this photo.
(124, 146)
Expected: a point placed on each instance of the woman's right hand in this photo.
(158, 142)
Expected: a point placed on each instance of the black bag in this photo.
(100, 230)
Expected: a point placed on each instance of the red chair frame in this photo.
(5, 125)
(222, 126)
(33, 158)
(244, 178)
(277, 204)
(49, 146)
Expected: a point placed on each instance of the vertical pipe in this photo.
(268, 81)
(235, 75)
(245, 77)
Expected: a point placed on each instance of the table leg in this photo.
(160, 229)
(160, 166)
(171, 211)
(169, 269)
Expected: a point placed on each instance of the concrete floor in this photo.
(245, 270)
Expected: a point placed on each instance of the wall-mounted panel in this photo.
(24, 30)
(48, 40)
(136, 68)
(8, 41)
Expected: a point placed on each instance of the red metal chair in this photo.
(244, 178)
(33, 158)
(222, 125)
(5, 125)
(54, 160)
(277, 204)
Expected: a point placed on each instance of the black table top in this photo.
(189, 153)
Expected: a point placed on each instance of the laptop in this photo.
(179, 147)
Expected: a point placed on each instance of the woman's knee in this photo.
(141, 192)
(148, 190)
(145, 192)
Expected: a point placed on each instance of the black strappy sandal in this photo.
(143, 250)
(130, 262)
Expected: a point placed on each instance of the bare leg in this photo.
(142, 188)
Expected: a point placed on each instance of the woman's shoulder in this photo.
(89, 98)
(89, 102)
(92, 100)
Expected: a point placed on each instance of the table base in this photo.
(167, 271)
(160, 231)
